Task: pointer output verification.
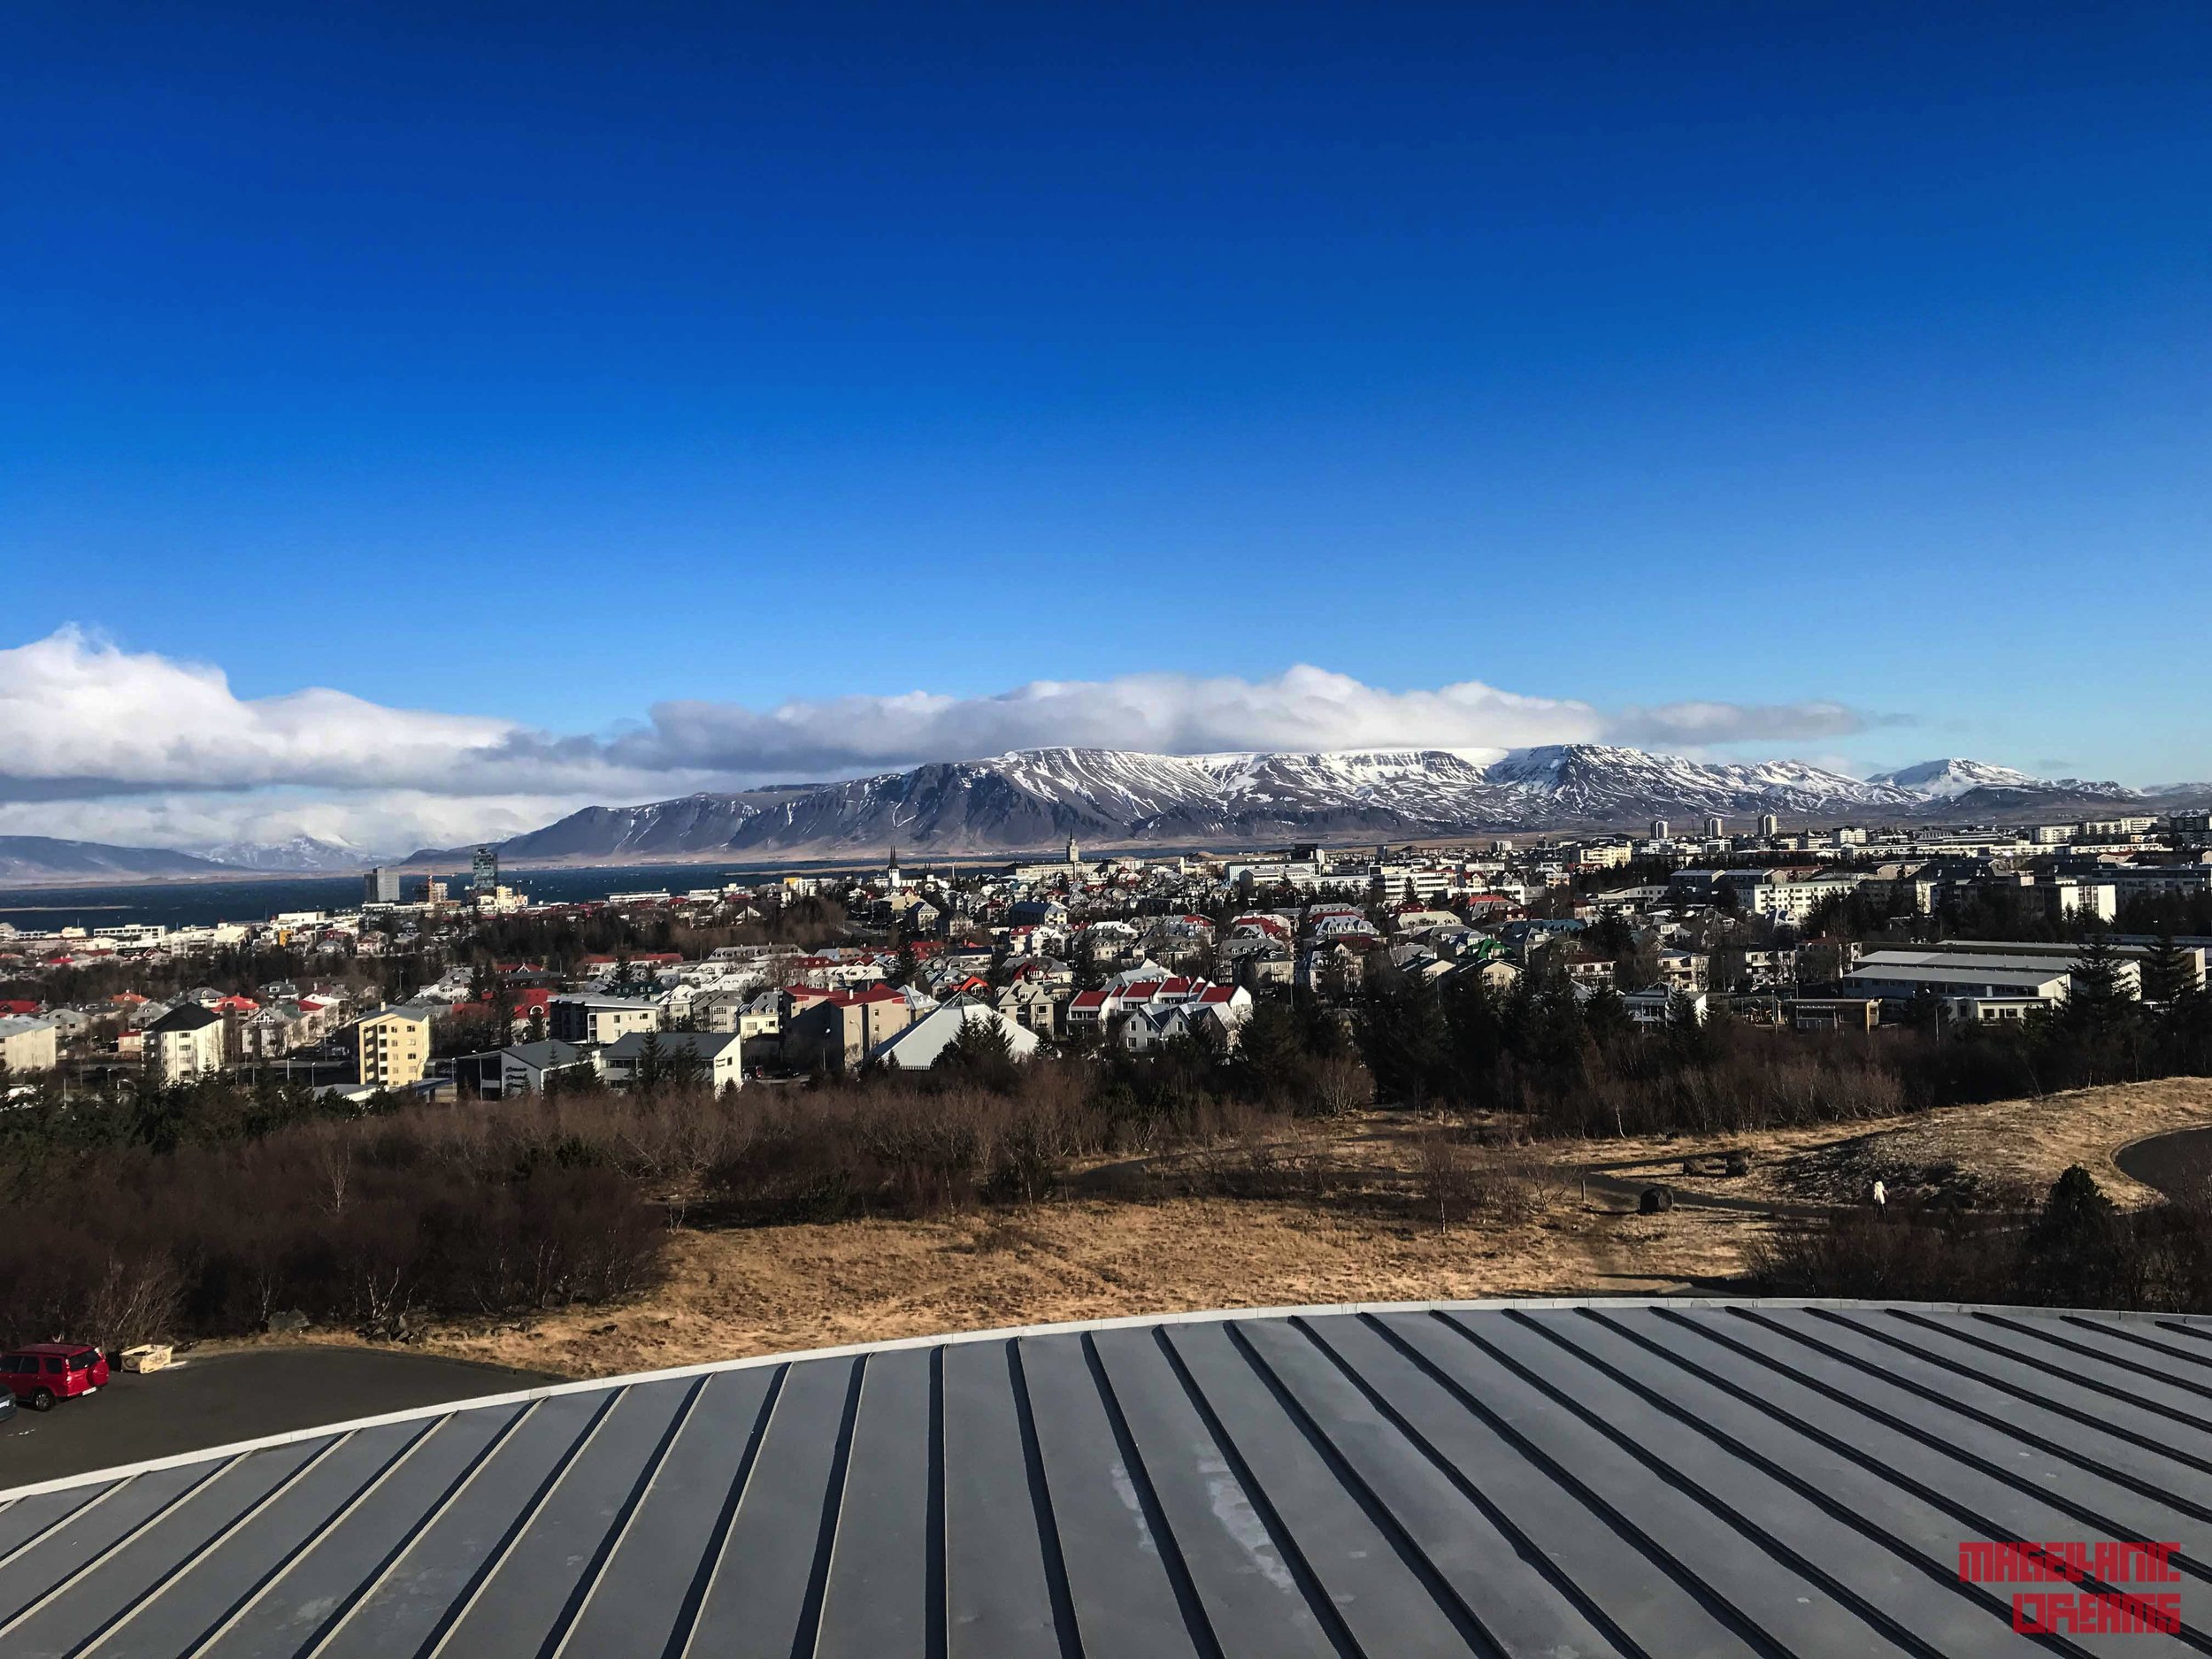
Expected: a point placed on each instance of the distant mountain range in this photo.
(1034, 799)
(27, 860)
(302, 854)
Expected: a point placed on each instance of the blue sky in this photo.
(543, 367)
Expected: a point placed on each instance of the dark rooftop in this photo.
(1660, 1478)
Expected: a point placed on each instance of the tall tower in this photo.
(1658, 829)
(1715, 828)
(892, 880)
(1769, 825)
(1075, 853)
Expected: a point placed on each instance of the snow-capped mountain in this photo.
(1592, 782)
(1035, 798)
(1977, 785)
(1947, 779)
(302, 853)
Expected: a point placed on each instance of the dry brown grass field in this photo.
(1347, 1212)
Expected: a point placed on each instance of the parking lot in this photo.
(213, 1399)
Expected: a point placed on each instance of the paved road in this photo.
(2178, 1164)
(214, 1399)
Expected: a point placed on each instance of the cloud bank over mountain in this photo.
(98, 742)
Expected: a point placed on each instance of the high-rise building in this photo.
(1715, 828)
(1769, 825)
(1658, 829)
(484, 870)
(380, 886)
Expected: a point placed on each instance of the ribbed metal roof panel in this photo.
(1648, 1479)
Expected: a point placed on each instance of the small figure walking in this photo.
(1881, 1195)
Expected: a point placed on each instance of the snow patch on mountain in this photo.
(301, 853)
(1034, 798)
(1947, 780)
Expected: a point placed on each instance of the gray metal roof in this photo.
(1660, 1478)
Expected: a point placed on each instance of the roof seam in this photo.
(488, 1568)
(588, 1583)
(1670, 1566)
(1958, 1509)
(686, 1621)
(1325, 1612)
(2157, 1495)
(300, 1551)
(1997, 1385)
(1472, 1630)
(340, 1616)
(1946, 1577)
(1525, 1545)
(809, 1631)
(1789, 1558)
(1187, 1601)
(144, 1523)
(200, 1551)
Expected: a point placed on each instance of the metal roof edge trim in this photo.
(545, 1390)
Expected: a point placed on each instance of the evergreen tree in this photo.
(2185, 1030)
(651, 1065)
(2076, 1248)
(501, 996)
(1271, 1061)
(2098, 1000)
(1402, 1037)
(2169, 974)
(1605, 1016)
(683, 1066)
(983, 1049)
(1688, 1039)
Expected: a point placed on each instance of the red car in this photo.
(43, 1372)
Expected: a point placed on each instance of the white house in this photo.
(29, 1042)
(721, 1055)
(922, 1044)
(599, 1018)
(185, 1043)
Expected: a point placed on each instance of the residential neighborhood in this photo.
(435, 987)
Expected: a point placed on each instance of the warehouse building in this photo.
(1981, 981)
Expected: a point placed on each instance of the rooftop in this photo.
(1653, 1478)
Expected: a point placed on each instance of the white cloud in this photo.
(1304, 708)
(73, 706)
(101, 743)
(1700, 725)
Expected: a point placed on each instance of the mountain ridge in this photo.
(46, 858)
(1034, 799)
